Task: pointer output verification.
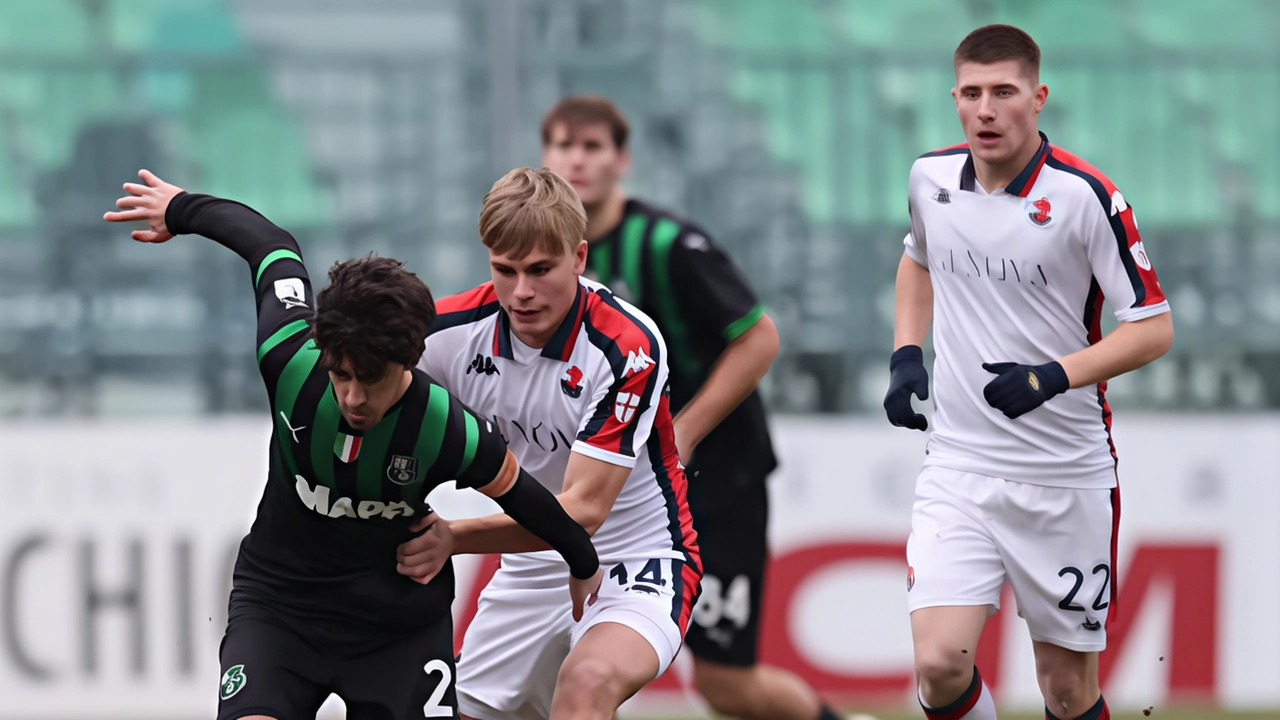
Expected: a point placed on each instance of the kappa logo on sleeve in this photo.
(291, 292)
(637, 361)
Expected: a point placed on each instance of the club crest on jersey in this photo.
(233, 681)
(942, 196)
(1038, 211)
(569, 382)
(625, 408)
(637, 361)
(402, 470)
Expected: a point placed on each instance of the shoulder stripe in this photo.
(431, 434)
(271, 258)
(958, 149)
(664, 236)
(464, 309)
(1103, 189)
(324, 427)
(280, 336)
(744, 323)
(633, 237)
(472, 439)
(288, 386)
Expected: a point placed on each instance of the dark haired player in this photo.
(721, 344)
(360, 438)
(1014, 243)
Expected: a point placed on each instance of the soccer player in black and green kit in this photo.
(360, 438)
(720, 345)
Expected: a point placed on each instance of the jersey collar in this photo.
(1022, 184)
(561, 344)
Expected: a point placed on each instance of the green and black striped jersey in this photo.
(337, 501)
(671, 270)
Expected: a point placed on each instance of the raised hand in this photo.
(584, 593)
(147, 203)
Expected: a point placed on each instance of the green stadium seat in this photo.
(46, 28)
(1196, 24)
(258, 156)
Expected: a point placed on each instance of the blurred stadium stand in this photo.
(786, 128)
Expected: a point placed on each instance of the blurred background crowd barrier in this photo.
(132, 440)
(786, 128)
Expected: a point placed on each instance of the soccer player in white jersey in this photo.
(576, 381)
(1014, 244)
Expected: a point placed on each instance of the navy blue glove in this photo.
(1019, 389)
(906, 376)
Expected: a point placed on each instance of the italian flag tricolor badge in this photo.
(346, 447)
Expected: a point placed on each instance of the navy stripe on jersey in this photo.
(1117, 226)
(604, 410)
(668, 497)
(560, 346)
(1022, 184)
(462, 317)
(650, 392)
(502, 337)
(961, 149)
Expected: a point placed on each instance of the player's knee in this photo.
(1065, 689)
(942, 671)
(588, 683)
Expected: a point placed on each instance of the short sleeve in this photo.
(916, 243)
(624, 407)
(1120, 262)
(712, 289)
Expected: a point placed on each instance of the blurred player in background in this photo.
(721, 344)
(1014, 243)
(359, 439)
(575, 379)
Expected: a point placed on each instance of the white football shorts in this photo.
(1055, 546)
(523, 629)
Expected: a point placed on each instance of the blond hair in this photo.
(532, 209)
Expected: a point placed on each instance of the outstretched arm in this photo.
(280, 280)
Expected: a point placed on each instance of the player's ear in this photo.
(624, 161)
(580, 258)
(1042, 96)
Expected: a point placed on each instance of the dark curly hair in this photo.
(372, 312)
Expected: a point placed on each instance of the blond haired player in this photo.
(575, 379)
(1014, 244)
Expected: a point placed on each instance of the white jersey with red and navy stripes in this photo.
(597, 388)
(1019, 275)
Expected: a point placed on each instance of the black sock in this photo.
(826, 713)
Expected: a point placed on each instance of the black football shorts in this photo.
(730, 508)
(278, 668)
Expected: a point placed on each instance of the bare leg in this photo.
(758, 692)
(609, 664)
(1068, 679)
(945, 640)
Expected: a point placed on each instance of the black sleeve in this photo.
(713, 291)
(539, 512)
(281, 285)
